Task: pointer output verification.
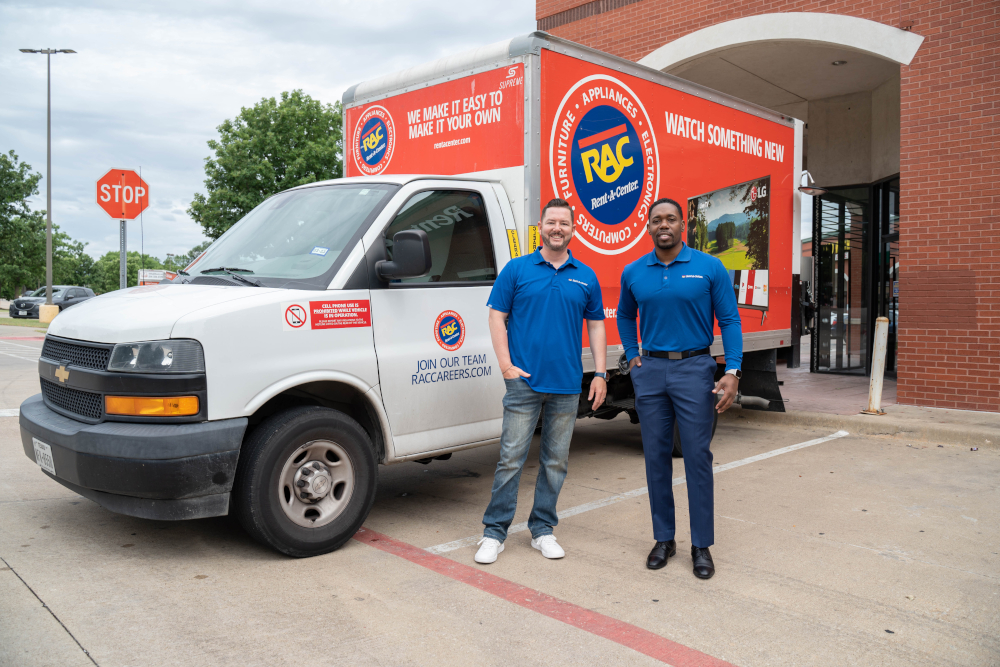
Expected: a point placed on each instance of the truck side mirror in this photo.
(411, 252)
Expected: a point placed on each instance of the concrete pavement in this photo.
(858, 550)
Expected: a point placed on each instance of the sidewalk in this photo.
(836, 401)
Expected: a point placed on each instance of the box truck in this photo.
(343, 324)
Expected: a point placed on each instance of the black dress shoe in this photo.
(704, 568)
(661, 552)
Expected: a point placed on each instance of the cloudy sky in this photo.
(151, 81)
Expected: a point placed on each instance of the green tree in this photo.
(22, 231)
(724, 233)
(757, 208)
(267, 148)
(71, 265)
(105, 270)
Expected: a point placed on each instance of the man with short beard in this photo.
(537, 307)
(677, 293)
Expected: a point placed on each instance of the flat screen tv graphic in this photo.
(733, 224)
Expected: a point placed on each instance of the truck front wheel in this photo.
(306, 481)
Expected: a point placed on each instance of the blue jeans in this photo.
(521, 407)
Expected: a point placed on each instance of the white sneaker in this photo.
(548, 546)
(489, 550)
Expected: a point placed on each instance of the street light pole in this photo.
(48, 167)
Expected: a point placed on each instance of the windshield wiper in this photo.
(236, 276)
(227, 269)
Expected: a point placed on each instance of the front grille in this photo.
(84, 356)
(83, 403)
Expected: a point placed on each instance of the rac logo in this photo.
(374, 140)
(602, 152)
(374, 137)
(607, 165)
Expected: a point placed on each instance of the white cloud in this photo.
(151, 82)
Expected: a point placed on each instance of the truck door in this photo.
(438, 375)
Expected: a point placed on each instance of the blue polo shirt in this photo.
(676, 305)
(546, 308)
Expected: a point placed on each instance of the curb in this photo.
(890, 425)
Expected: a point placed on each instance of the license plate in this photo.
(22, 312)
(43, 456)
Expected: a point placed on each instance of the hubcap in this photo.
(316, 483)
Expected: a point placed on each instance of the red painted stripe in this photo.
(627, 635)
(750, 279)
(601, 136)
(22, 337)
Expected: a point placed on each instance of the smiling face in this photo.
(556, 228)
(666, 224)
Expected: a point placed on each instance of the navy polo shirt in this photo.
(546, 307)
(676, 305)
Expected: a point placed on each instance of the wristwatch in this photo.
(735, 372)
(603, 376)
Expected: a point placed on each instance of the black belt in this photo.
(675, 355)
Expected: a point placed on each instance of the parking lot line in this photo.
(19, 351)
(9, 412)
(626, 634)
(618, 497)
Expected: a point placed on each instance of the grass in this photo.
(12, 322)
(735, 257)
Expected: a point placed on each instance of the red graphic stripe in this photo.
(374, 127)
(601, 136)
(750, 279)
(627, 635)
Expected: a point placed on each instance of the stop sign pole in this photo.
(123, 195)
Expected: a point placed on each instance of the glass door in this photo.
(841, 342)
(885, 199)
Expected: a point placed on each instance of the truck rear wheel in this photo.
(306, 481)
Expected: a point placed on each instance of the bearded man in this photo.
(537, 307)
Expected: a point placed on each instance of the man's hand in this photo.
(598, 390)
(727, 387)
(636, 361)
(513, 372)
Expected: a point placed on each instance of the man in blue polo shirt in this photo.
(537, 309)
(678, 293)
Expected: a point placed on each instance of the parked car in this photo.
(63, 296)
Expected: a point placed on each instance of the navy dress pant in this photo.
(668, 390)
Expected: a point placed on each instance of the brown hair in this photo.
(557, 203)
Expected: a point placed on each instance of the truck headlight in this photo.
(158, 356)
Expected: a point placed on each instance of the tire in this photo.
(298, 448)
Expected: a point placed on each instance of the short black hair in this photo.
(665, 200)
(557, 203)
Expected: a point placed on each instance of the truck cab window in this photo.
(459, 234)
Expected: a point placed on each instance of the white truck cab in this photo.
(339, 325)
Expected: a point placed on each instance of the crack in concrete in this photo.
(47, 608)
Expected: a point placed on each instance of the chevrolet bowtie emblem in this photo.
(62, 373)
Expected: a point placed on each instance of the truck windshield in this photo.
(296, 235)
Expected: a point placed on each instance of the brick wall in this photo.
(949, 337)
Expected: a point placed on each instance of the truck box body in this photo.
(550, 118)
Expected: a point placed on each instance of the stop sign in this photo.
(122, 194)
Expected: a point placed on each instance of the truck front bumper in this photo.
(152, 471)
